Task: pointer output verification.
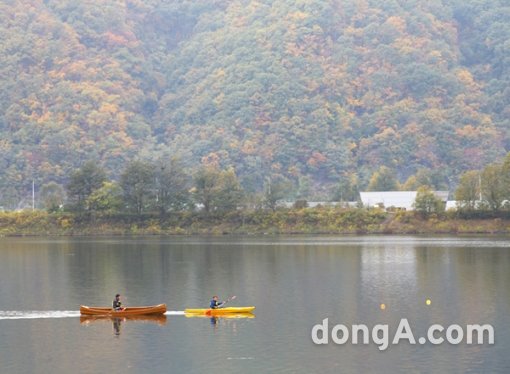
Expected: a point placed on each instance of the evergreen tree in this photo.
(427, 203)
(83, 183)
(171, 186)
(468, 190)
(138, 186)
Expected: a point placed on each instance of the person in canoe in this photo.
(117, 304)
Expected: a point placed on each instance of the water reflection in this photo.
(118, 321)
(159, 319)
(116, 326)
(222, 316)
(294, 282)
(229, 320)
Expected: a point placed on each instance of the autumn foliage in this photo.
(314, 92)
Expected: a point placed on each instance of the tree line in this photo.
(485, 190)
(164, 187)
(144, 187)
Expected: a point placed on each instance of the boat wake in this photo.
(175, 313)
(37, 314)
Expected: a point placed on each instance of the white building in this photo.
(311, 204)
(395, 199)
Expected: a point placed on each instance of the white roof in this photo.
(397, 199)
(451, 204)
(313, 204)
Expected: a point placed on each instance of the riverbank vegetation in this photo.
(161, 198)
(318, 220)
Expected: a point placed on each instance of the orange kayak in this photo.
(129, 311)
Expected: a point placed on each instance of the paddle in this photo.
(230, 298)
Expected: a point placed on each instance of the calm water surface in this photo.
(295, 283)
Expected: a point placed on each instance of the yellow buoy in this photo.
(428, 302)
(383, 306)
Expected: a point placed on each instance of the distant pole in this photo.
(480, 185)
(33, 195)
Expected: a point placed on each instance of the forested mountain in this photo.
(313, 91)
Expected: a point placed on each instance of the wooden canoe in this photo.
(129, 311)
(220, 311)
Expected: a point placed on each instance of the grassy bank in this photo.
(322, 220)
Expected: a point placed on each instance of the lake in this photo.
(294, 282)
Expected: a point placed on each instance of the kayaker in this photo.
(215, 304)
(117, 304)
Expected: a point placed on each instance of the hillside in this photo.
(312, 91)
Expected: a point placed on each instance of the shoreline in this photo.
(307, 221)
